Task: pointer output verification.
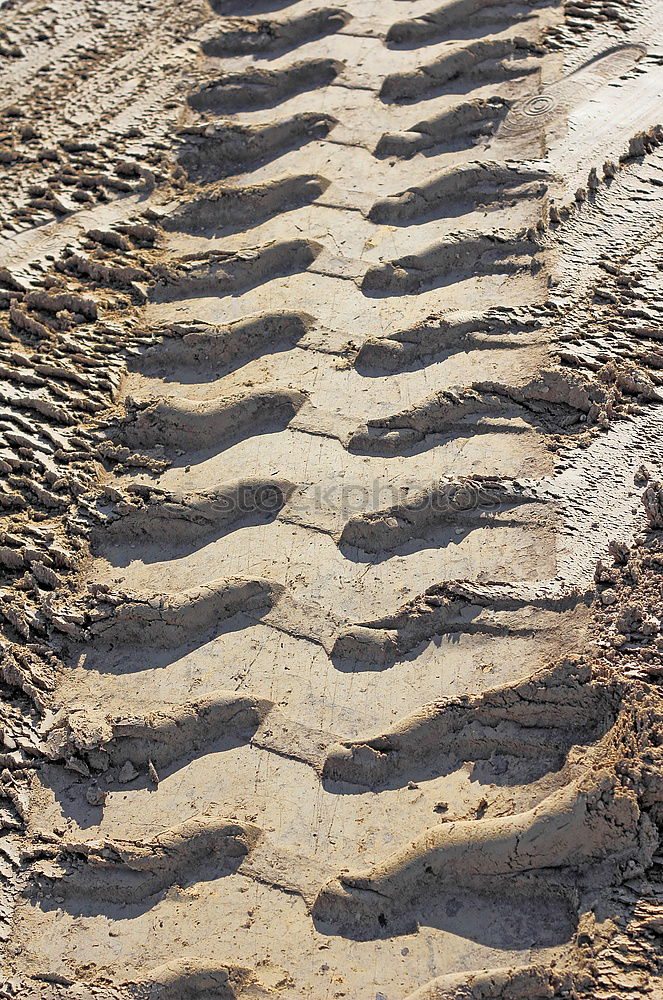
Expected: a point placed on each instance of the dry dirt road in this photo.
(332, 549)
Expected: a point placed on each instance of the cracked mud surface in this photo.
(331, 430)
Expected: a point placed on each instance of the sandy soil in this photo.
(330, 375)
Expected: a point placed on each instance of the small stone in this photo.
(652, 500)
(619, 551)
(74, 764)
(95, 796)
(650, 625)
(608, 597)
(127, 772)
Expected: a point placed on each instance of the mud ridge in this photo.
(458, 128)
(224, 149)
(487, 61)
(158, 738)
(553, 402)
(578, 827)
(148, 515)
(132, 872)
(243, 37)
(529, 983)
(229, 273)
(436, 335)
(262, 88)
(200, 346)
(458, 190)
(470, 253)
(549, 713)
(164, 620)
(461, 502)
(192, 978)
(443, 609)
(436, 25)
(187, 424)
(227, 209)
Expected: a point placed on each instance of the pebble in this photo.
(127, 772)
(95, 796)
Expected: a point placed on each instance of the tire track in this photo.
(281, 399)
